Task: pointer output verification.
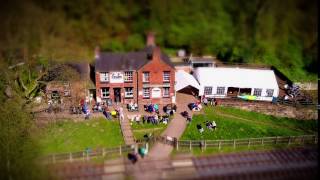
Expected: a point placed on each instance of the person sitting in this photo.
(156, 119)
(200, 129)
(209, 125)
(205, 101)
(184, 114)
(192, 105)
(135, 106)
(132, 157)
(189, 119)
(145, 119)
(214, 125)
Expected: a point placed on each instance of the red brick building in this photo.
(144, 76)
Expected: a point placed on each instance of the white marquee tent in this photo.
(223, 78)
(184, 79)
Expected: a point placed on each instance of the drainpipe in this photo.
(137, 89)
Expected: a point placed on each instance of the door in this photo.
(117, 94)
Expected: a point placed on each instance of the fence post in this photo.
(302, 140)
(219, 145)
(53, 158)
(177, 144)
(234, 143)
(120, 150)
(103, 152)
(315, 140)
(262, 139)
(289, 140)
(249, 141)
(190, 145)
(87, 156)
(70, 157)
(276, 140)
(205, 145)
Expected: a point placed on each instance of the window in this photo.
(207, 90)
(146, 77)
(146, 92)
(128, 76)
(105, 92)
(128, 92)
(166, 76)
(104, 77)
(269, 92)
(257, 92)
(166, 92)
(220, 90)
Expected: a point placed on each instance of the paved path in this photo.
(175, 128)
(126, 129)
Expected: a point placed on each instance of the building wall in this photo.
(156, 67)
(100, 85)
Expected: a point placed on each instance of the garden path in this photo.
(175, 128)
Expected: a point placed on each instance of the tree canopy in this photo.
(280, 33)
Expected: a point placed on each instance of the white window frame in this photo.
(128, 93)
(104, 76)
(107, 92)
(146, 78)
(205, 90)
(166, 93)
(166, 76)
(257, 91)
(128, 76)
(269, 92)
(146, 92)
(221, 90)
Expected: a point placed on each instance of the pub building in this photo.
(145, 76)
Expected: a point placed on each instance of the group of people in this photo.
(186, 115)
(195, 106)
(151, 108)
(142, 151)
(209, 125)
(155, 119)
(211, 101)
(170, 109)
(132, 106)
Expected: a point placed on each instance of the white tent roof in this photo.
(185, 79)
(236, 77)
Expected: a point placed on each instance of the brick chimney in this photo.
(151, 39)
(156, 54)
(97, 52)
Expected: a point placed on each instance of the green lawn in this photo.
(70, 136)
(235, 123)
(141, 129)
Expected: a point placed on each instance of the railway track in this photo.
(297, 163)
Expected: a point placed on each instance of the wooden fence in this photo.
(88, 154)
(264, 141)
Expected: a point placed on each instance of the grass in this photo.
(234, 123)
(141, 129)
(71, 136)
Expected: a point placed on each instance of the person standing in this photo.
(121, 116)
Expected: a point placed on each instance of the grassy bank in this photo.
(71, 136)
(235, 123)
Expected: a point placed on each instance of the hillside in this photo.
(279, 33)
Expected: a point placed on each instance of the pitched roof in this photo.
(236, 77)
(126, 61)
